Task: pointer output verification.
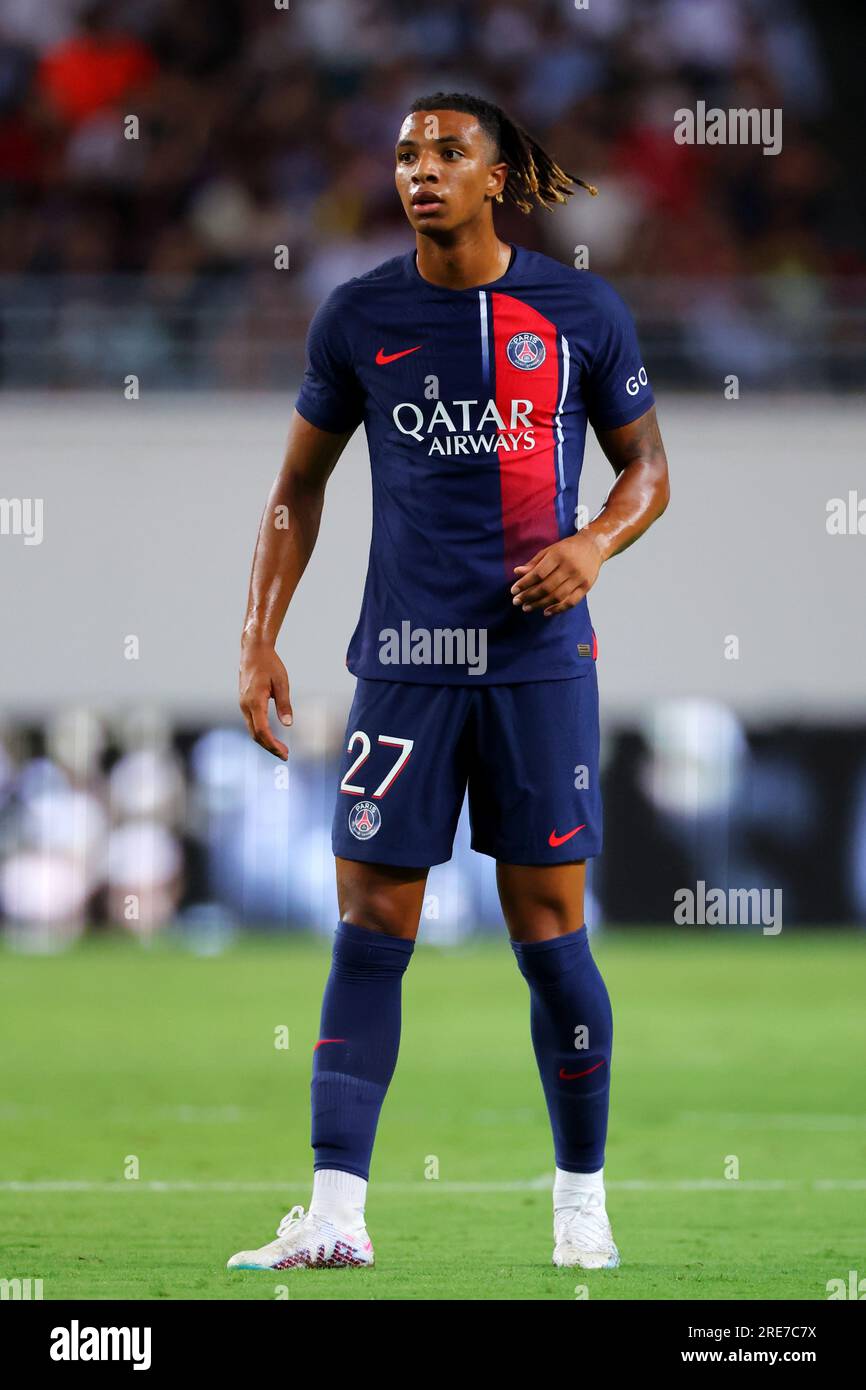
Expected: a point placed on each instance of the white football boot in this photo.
(305, 1241)
(582, 1235)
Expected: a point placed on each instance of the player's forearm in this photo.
(289, 527)
(637, 499)
(287, 536)
(642, 489)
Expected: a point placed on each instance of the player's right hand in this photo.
(263, 678)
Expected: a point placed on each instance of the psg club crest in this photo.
(526, 351)
(364, 819)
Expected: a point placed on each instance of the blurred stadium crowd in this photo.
(261, 127)
(137, 825)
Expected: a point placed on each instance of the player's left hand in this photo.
(559, 576)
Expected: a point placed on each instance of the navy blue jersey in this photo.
(475, 404)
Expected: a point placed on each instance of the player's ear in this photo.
(496, 179)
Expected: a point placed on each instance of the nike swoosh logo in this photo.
(556, 840)
(322, 1041)
(383, 357)
(573, 1075)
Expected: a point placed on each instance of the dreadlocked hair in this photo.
(533, 174)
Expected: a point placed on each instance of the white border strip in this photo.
(485, 348)
(559, 430)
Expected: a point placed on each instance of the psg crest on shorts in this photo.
(526, 351)
(364, 819)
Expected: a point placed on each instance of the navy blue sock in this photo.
(570, 1004)
(359, 1038)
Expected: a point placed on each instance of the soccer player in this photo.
(475, 366)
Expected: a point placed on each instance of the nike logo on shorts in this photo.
(556, 840)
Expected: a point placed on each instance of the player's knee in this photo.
(538, 918)
(381, 899)
(376, 910)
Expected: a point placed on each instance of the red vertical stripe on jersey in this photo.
(527, 476)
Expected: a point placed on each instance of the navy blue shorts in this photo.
(527, 753)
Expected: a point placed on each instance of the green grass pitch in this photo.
(725, 1045)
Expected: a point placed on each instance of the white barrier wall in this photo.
(150, 508)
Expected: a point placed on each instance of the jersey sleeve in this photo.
(330, 397)
(617, 388)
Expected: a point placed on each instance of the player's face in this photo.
(444, 175)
